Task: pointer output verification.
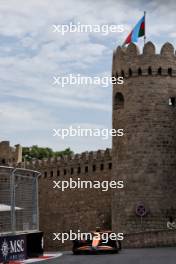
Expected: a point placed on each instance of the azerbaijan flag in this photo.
(137, 32)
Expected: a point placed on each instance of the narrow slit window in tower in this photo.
(102, 167)
(159, 71)
(94, 167)
(149, 71)
(130, 72)
(139, 72)
(79, 170)
(170, 71)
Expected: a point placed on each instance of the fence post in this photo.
(12, 195)
(37, 201)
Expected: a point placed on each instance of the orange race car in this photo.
(98, 242)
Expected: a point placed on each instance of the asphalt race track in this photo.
(126, 256)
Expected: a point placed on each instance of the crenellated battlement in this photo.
(76, 158)
(129, 62)
(71, 164)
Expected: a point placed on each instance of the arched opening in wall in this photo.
(72, 171)
(130, 72)
(45, 174)
(139, 71)
(149, 71)
(51, 173)
(79, 170)
(65, 171)
(170, 71)
(58, 173)
(118, 101)
(159, 71)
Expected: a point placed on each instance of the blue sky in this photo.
(31, 54)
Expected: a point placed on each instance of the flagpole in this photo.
(144, 27)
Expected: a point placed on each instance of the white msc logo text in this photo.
(13, 247)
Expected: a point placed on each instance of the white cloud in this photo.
(31, 54)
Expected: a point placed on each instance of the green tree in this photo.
(36, 152)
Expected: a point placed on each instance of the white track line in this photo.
(32, 260)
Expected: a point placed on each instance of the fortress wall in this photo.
(75, 209)
(157, 238)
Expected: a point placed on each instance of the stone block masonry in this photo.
(75, 209)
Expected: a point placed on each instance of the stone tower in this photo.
(145, 157)
(10, 156)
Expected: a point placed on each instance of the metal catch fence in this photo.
(18, 200)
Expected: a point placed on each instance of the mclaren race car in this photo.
(98, 242)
